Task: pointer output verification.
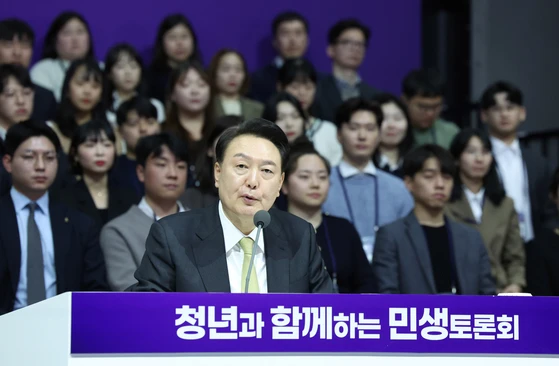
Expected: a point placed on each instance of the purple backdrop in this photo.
(245, 25)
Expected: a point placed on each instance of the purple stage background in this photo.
(394, 49)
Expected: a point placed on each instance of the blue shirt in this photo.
(42, 218)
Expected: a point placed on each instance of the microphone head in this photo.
(262, 218)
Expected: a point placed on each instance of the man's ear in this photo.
(523, 114)
(217, 174)
(7, 162)
(282, 187)
(330, 51)
(140, 172)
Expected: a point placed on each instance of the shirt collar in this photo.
(385, 162)
(146, 208)
(21, 201)
(232, 235)
(344, 84)
(347, 170)
(476, 197)
(499, 146)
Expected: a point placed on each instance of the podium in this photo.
(281, 329)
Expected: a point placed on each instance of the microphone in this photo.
(261, 220)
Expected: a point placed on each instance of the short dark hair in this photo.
(415, 160)
(296, 70)
(340, 27)
(13, 27)
(20, 132)
(142, 105)
(49, 45)
(270, 112)
(514, 94)
(160, 58)
(18, 72)
(352, 105)
(91, 130)
(299, 149)
(152, 146)
(288, 16)
(257, 127)
(493, 188)
(554, 184)
(423, 83)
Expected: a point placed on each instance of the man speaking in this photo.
(219, 248)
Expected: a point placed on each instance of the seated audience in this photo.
(176, 42)
(136, 118)
(81, 100)
(290, 32)
(16, 96)
(48, 248)
(427, 252)
(229, 76)
(347, 43)
(162, 168)
(306, 186)
(423, 93)
(298, 78)
(359, 192)
(124, 73)
(478, 200)
(16, 47)
(93, 191)
(285, 110)
(396, 137)
(189, 112)
(68, 39)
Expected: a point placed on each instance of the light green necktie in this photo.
(246, 245)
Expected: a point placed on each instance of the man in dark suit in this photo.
(291, 39)
(16, 47)
(208, 250)
(426, 252)
(45, 247)
(347, 43)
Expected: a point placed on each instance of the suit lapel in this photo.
(209, 252)
(487, 227)
(417, 239)
(11, 240)
(62, 240)
(461, 254)
(277, 258)
(461, 210)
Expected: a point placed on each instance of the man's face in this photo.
(164, 176)
(430, 187)
(16, 51)
(137, 127)
(359, 136)
(33, 166)
(349, 50)
(249, 179)
(424, 111)
(291, 39)
(16, 103)
(504, 117)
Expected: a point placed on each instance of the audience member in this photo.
(124, 72)
(189, 111)
(68, 39)
(298, 77)
(16, 96)
(306, 186)
(427, 252)
(478, 200)
(396, 137)
(176, 42)
(366, 196)
(136, 118)
(347, 42)
(229, 77)
(291, 39)
(16, 47)
(162, 168)
(423, 93)
(93, 192)
(285, 110)
(48, 248)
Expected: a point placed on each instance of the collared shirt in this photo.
(42, 218)
(513, 174)
(385, 162)
(348, 90)
(146, 208)
(347, 170)
(235, 255)
(476, 202)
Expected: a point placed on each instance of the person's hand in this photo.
(513, 288)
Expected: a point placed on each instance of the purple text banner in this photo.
(143, 323)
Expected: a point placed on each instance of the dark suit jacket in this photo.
(77, 255)
(44, 105)
(547, 260)
(185, 252)
(263, 83)
(328, 97)
(402, 264)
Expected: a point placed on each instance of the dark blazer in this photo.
(157, 79)
(328, 97)
(44, 105)
(185, 252)
(402, 264)
(263, 83)
(547, 278)
(77, 255)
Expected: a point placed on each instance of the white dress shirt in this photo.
(146, 208)
(347, 170)
(235, 255)
(513, 174)
(476, 202)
